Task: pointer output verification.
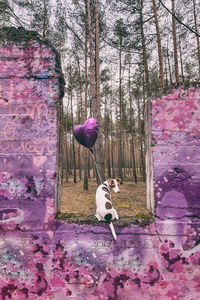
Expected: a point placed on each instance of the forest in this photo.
(115, 55)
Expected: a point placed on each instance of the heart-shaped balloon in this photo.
(87, 133)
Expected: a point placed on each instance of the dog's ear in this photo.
(119, 180)
(111, 182)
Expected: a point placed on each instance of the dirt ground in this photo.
(79, 205)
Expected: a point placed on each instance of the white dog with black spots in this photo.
(104, 208)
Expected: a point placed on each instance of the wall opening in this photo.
(170, 140)
(79, 205)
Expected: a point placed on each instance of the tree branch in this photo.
(125, 48)
(13, 14)
(74, 33)
(149, 19)
(177, 19)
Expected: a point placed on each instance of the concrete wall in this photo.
(176, 159)
(41, 258)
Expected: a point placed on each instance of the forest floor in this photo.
(79, 206)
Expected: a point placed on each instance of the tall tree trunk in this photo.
(169, 66)
(66, 161)
(166, 71)
(108, 145)
(107, 141)
(70, 155)
(80, 90)
(85, 153)
(88, 166)
(99, 142)
(124, 152)
(73, 143)
(66, 149)
(92, 61)
(70, 139)
(112, 143)
(142, 164)
(80, 117)
(108, 154)
(197, 33)
(116, 143)
(112, 158)
(92, 71)
(44, 25)
(79, 150)
(132, 123)
(160, 57)
(181, 59)
(175, 43)
(144, 52)
(120, 113)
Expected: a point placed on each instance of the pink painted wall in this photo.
(176, 160)
(41, 258)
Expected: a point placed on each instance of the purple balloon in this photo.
(87, 133)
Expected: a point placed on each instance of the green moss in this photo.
(18, 35)
(144, 216)
(141, 219)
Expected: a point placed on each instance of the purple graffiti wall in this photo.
(176, 139)
(42, 258)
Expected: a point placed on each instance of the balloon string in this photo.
(92, 154)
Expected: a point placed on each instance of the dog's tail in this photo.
(108, 219)
(113, 230)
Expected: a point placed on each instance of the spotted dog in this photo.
(105, 211)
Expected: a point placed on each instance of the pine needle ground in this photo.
(79, 206)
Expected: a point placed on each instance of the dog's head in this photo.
(114, 184)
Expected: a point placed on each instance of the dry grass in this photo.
(130, 202)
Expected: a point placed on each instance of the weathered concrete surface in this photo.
(176, 159)
(41, 258)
